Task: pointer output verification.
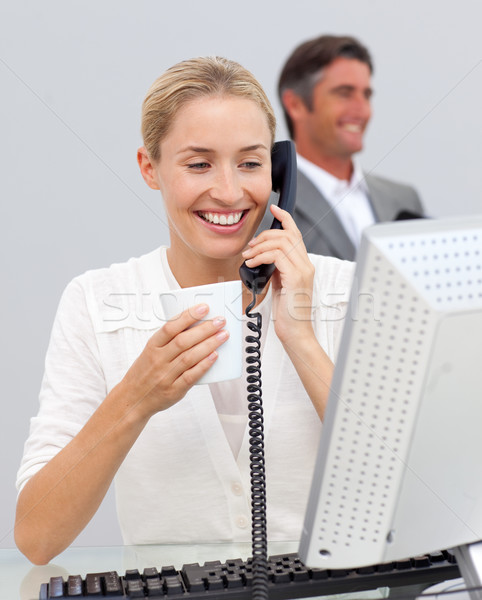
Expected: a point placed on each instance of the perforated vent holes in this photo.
(378, 406)
(446, 268)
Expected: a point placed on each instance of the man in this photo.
(325, 90)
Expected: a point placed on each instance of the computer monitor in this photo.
(399, 468)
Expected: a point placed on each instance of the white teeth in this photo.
(354, 128)
(222, 219)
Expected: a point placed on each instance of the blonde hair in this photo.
(191, 79)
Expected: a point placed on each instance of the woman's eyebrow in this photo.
(208, 150)
(253, 147)
(194, 149)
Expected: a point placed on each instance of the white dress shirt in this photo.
(349, 199)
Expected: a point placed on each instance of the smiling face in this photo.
(214, 174)
(333, 127)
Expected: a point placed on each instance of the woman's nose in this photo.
(227, 186)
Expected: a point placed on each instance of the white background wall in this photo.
(72, 78)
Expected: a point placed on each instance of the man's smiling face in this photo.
(340, 109)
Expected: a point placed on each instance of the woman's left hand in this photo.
(292, 281)
(292, 292)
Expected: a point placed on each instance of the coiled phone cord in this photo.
(256, 454)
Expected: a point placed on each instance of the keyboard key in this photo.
(318, 574)
(154, 587)
(300, 573)
(113, 585)
(366, 570)
(210, 564)
(214, 582)
(151, 572)
(194, 577)
(169, 571)
(93, 584)
(173, 585)
(74, 586)
(44, 591)
(135, 588)
(133, 574)
(339, 572)
(235, 563)
(281, 576)
(195, 585)
(421, 561)
(233, 580)
(56, 587)
(248, 577)
(385, 567)
(436, 557)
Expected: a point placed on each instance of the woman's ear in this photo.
(148, 170)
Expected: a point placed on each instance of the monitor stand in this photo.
(469, 560)
(469, 587)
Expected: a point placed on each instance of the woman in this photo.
(118, 398)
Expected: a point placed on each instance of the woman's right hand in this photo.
(174, 358)
(60, 499)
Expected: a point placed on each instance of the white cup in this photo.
(224, 300)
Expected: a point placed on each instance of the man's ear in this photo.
(148, 171)
(294, 104)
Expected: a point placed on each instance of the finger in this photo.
(194, 336)
(192, 376)
(293, 265)
(269, 256)
(272, 250)
(194, 361)
(280, 237)
(275, 240)
(179, 323)
(188, 377)
(284, 217)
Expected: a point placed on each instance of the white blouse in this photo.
(186, 478)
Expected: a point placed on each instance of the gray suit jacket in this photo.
(323, 232)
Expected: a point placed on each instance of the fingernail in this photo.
(222, 335)
(201, 309)
(219, 321)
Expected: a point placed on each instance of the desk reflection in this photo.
(83, 560)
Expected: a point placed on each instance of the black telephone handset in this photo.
(283, 175)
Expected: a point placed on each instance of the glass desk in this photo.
(19, 579)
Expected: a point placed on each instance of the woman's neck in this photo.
(193, 271)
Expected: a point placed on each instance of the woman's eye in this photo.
(200, 165)
(251, 164)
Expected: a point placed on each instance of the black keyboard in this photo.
(232, 580)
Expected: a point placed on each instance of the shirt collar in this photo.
(328, 183)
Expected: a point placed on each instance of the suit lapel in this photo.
(315, 208)
(385, 198)
(376, 201)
